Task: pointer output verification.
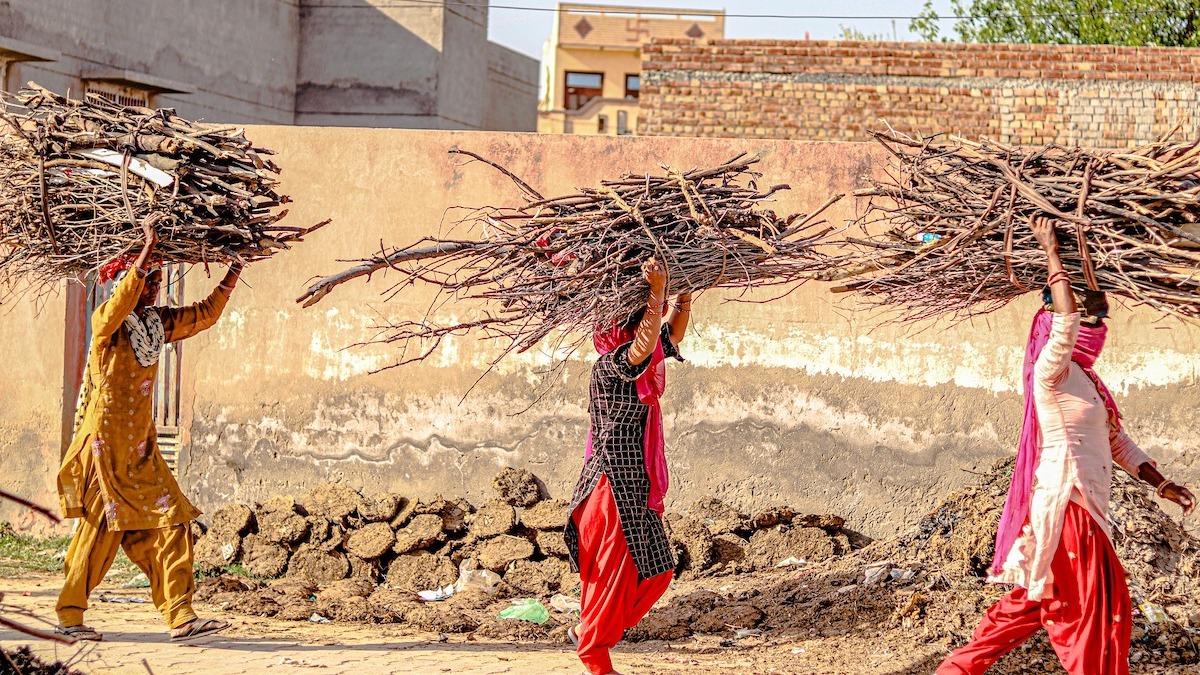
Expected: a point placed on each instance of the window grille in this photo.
(122, 96)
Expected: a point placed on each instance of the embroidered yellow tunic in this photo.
(116, 442)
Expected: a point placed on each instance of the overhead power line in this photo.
(410, 4)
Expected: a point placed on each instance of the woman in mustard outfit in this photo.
(113, 478)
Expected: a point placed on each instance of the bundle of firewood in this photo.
(947, 232)
(77, 176)
(572, 264)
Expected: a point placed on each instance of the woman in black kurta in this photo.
(615, 534)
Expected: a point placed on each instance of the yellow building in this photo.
(592, 63)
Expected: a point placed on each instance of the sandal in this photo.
(80, 632)
(573, 636)
(199, 628)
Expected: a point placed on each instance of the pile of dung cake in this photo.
(335, 554)
(925, 590)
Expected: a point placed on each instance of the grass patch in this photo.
(236, 569)
(22, 554)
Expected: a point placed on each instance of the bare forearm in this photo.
(645, 337)
(149, 238)
(1167, 489)
(1060, 286)
(678, 318)
(1150, 474)
(143, 259)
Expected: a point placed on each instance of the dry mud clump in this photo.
(346, 557)
(776, 575)
(927, 587)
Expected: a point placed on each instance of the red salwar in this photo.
(1088, 614)
(612, 599)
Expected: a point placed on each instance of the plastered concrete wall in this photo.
(362, 65)
(239, 56)
(803, 400)
(31, 398)
(370, 63)
(512, 79)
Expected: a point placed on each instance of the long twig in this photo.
(571, 263)
(946, 233)
(36, 508)
(76, 176)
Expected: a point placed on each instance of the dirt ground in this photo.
(136, 642)
(792, 593)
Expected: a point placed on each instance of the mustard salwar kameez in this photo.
(113, 477)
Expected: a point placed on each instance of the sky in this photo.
(526, 31)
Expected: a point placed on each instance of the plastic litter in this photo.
(471, 578)
(565, 604)
(899, 574)
(438, 594)
(527, 609)
(747, 632)
(1154, 613)
(317, 618)
(791, 561)
(877, 572)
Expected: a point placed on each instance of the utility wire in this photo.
(410, 4)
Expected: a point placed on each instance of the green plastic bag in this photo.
(527, 609)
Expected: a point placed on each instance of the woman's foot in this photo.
(198, 628)
(80, 632)
(573, 634)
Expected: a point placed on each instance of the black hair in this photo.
(1093, 305)
(631, 323)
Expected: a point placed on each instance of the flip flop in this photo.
(573, 636)
(200, 628)
(80, 632)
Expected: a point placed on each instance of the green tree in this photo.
(1161, 23)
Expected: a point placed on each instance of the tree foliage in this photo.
(1161, 23)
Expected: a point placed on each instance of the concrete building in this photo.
(591, 65)
(370, 63)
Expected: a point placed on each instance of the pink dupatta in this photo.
(1088, 346)
(650, 387)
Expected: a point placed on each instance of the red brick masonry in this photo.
(826, 90)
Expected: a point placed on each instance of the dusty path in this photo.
(135, 632)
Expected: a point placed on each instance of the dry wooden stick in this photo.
(76, 176)
(946, 233)
(571, 264)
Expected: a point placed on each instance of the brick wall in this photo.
(833, 91)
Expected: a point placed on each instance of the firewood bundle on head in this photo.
(948, 231)
(572, 264)
(77, 176)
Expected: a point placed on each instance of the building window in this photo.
(602, 124)
(633, 86)
(622, 123)
(581, 88)
(122, 96)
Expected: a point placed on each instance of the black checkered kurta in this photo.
(618, 451)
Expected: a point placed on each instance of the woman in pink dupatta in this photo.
(615, 533)
(1054, 540)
